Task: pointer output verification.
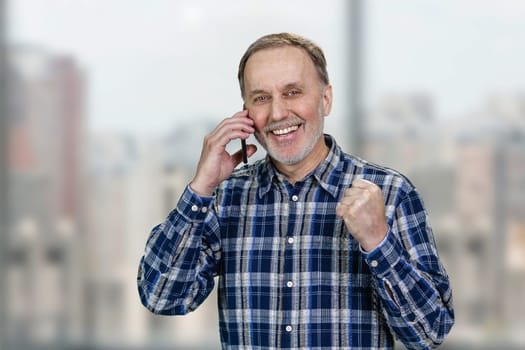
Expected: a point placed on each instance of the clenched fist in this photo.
(363, 210)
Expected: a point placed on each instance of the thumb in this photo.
(237, 156)
(251, 149)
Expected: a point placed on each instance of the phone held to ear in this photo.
(244, 154)
(243, 146)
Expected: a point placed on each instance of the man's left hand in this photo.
(363, 210)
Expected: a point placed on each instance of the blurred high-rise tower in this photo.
(46, 125)
(3, 173)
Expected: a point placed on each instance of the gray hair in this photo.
(285, 39)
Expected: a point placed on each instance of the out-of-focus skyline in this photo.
(91, 80)
(146, 63)
(460, 51)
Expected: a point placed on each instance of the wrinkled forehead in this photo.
(279, 65)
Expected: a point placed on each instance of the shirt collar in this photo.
(327, 172)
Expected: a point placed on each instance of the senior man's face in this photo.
(288, 103)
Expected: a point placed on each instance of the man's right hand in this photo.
(216, 164)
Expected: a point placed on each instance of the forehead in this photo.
(279, 65)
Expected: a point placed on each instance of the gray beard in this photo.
(302, 155)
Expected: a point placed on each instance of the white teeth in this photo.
(285, 131)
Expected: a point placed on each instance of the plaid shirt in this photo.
(290, 274)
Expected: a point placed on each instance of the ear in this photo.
(327, 99)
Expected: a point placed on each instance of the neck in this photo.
(296, 172)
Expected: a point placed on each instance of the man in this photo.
(314, 248)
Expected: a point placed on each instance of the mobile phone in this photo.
(244, 153)
(243, 145)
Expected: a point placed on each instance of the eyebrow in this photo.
(286, 87)
(293, 85)
(256, 92)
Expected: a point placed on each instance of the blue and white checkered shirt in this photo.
(290, 274)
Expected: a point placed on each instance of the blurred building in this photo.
(75, 240)
(403, 132)
(123, 200)
(134, 183)
(491, 209)
(46, 115)
(471, 173)
(400, 132)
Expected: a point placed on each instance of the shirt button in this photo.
(289, 284)
(194, 208)
(373, 263)
(204, 209)
(295, 198)
(290, 240)
(288, 328)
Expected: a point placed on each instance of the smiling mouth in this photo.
(280, 132)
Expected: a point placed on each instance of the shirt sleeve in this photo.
(181, 258)
(410, 279)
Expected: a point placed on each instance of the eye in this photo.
(261, 99)
(293, 92)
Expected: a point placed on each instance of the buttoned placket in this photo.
(288, 283)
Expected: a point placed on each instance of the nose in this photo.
(279, 109)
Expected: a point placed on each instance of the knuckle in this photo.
(353, 210)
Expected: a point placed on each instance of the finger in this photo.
(235, 124)
(237, 158)
(349, 204)
(354, 190)
(241, 122)
(227, 132)
(240, 117)
(348, 199)
(341, 209)
(241, 114)
(347, 211)
(362, 183)
(250, 151)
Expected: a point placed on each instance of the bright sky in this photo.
(460, 50)
(152, 65)
(149, 66)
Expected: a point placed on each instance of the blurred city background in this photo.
(104, 104)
